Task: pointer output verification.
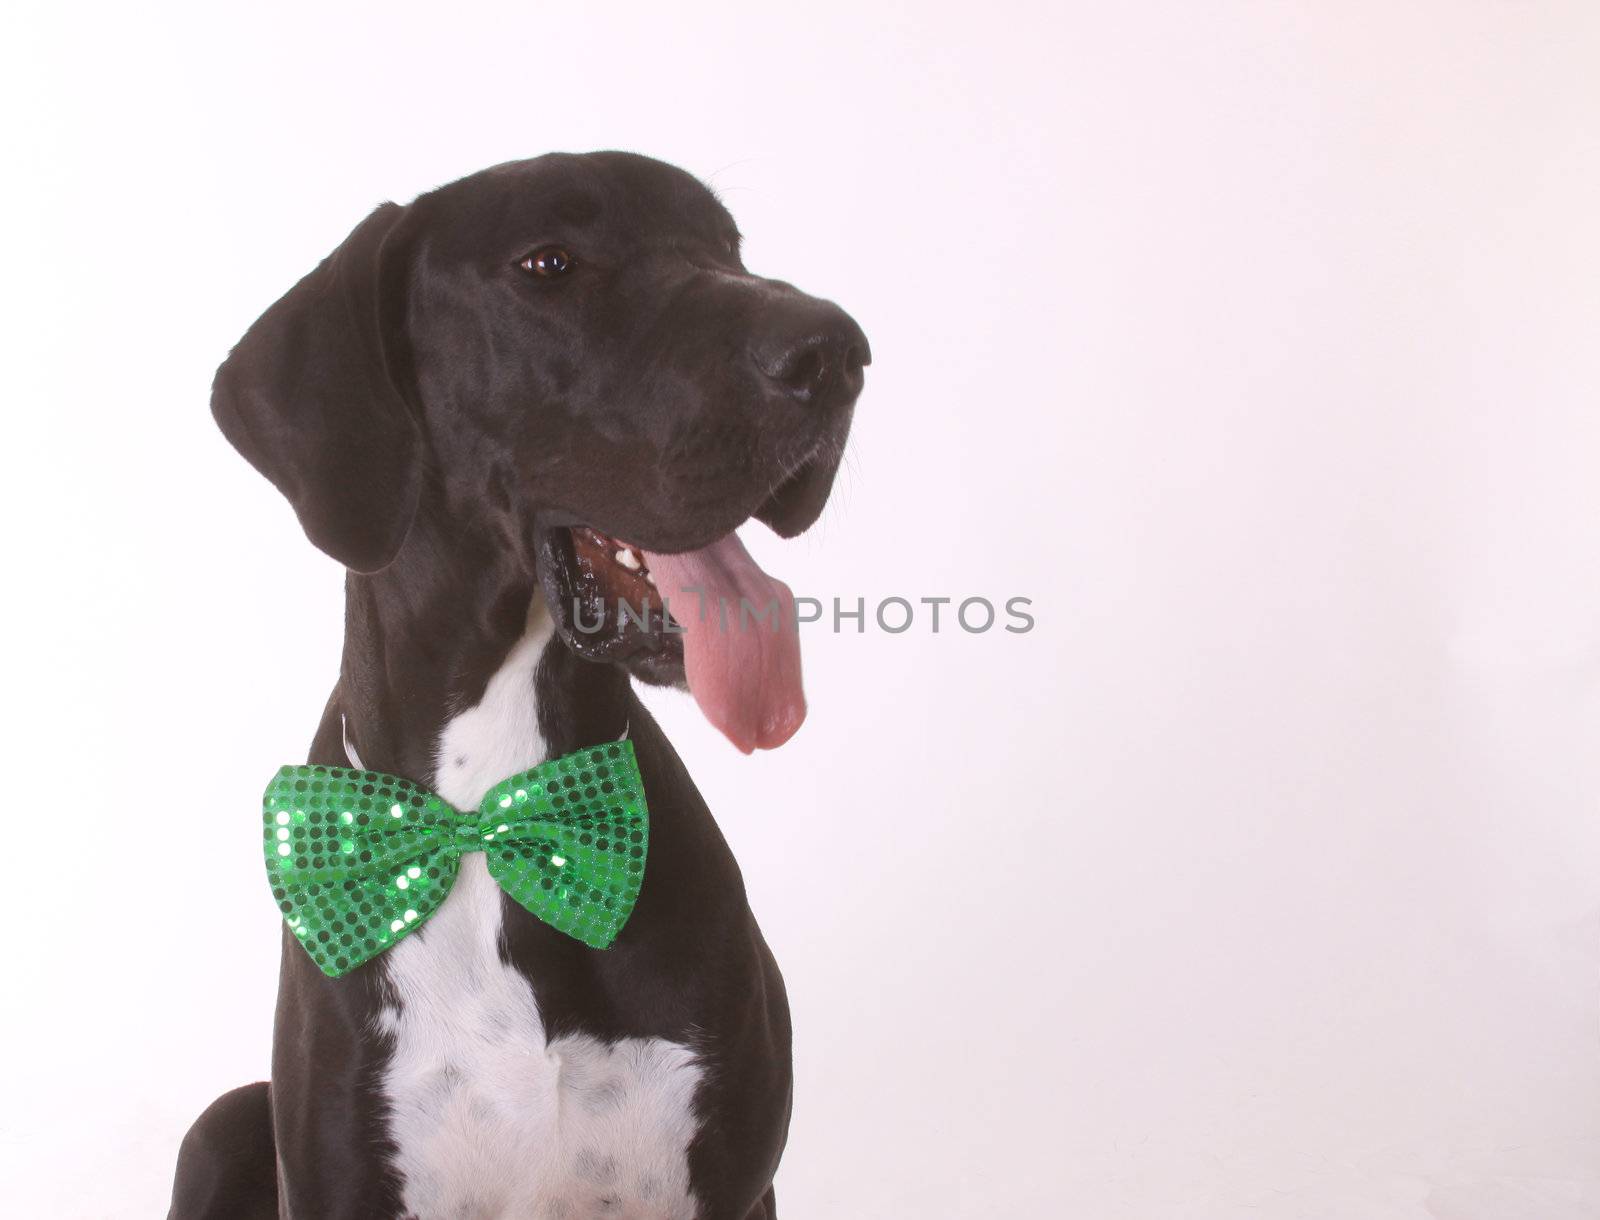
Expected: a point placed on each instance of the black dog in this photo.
(516, 409)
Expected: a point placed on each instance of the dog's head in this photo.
(568, 355)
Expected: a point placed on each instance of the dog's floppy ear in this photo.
(309, 396)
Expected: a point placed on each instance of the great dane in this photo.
(518, 410)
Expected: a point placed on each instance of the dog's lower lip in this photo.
(587, 589)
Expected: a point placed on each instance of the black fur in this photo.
(432, 410)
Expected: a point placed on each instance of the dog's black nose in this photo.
(816, 358)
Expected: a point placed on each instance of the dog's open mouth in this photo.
(710, 617)
(707, 617)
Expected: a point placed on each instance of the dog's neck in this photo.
(456, 624)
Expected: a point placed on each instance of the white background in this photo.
(1255, 342)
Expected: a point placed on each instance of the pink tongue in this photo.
(744, 671)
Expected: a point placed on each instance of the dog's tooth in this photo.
(628, 559)
(649, 577)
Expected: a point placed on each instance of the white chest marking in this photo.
(491, 1119)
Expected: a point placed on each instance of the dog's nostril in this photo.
(804, 372)
(819, 365)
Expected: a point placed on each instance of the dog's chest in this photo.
(490, 1118)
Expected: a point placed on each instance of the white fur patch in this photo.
(491, 1119)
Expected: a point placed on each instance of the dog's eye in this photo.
(547, 262)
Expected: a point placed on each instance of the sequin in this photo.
(359, 860)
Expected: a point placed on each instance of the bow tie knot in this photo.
(358, 859)
(473, 835)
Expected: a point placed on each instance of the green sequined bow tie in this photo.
(358, 860)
